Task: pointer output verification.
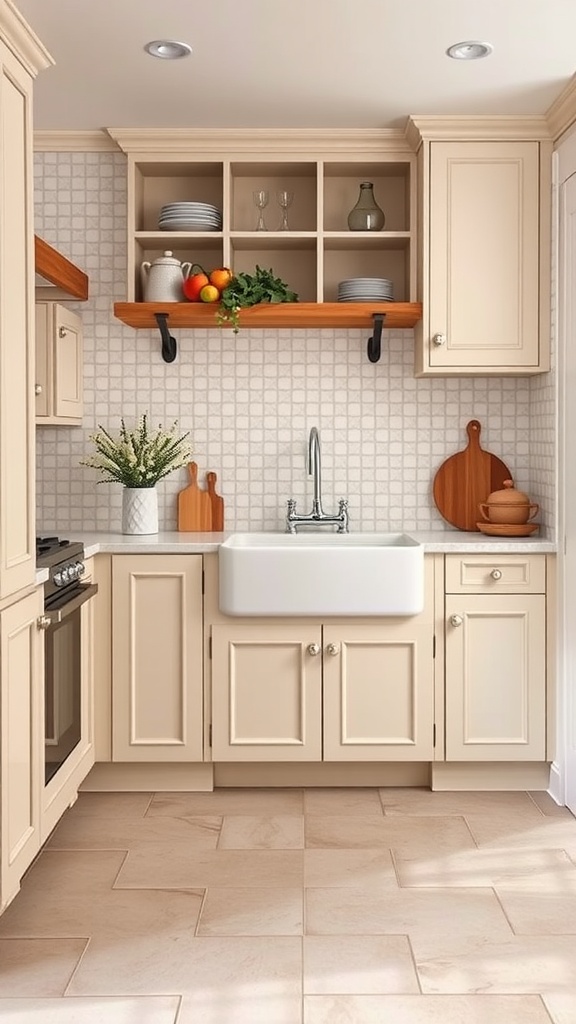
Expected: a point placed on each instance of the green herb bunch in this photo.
(139, 457)
(248, 290)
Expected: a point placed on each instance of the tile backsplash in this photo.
(249, 400)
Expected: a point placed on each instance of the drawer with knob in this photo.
(496, 574)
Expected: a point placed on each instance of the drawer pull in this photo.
(456, 620)
(313, 649)
(496, 574)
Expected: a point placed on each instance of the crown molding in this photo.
(73, 142)
(561, 114)
(21, 40)
(248, 140)
(477, 127)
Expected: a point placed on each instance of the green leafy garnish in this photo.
(248, 290)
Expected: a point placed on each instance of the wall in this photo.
(250, 400)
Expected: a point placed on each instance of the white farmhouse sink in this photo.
(321, 574)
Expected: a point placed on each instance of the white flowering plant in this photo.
(139, 457)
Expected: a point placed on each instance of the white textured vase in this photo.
(139, 510)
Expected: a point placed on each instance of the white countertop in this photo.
(201, 543)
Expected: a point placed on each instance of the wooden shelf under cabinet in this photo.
(285, 314)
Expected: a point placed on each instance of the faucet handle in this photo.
(343, 504)
(291, 504)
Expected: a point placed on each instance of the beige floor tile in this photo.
(216, 973)
(424, 1010)
(352, 869)
(98, 833)
(518, 870)
(426, 803)
(151, 868)
(252, 912)
(71, 894)
(522, 964)
(91, 1010)
(358, 965)
(549, 807)
(38, 967)
(110, 805)
(275, 832)
(561, 1006)
(462, 914)
(409, 836)
(540, 913)
(342, 802)
(507, 833)
(59, 892)
(229, 801)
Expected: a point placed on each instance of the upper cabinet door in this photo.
(484, 261)
(17, 549)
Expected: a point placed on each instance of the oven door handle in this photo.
(56, 615)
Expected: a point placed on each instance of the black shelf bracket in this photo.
(375, 342)
(169, 346)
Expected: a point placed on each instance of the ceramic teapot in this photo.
(508, 506)
(162, 280)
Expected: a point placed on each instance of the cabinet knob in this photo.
(333, 649)
(456, 620)
(439, 339)
(43, 622)
(313, 649)
(37, 389)
(496, 574)
(62, 332)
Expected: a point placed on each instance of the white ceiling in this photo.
(296, 63)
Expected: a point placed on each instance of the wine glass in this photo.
(285, 201)
(260, 197)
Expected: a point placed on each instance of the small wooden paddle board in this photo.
(466, 479)
(194, 505)
(216, 502)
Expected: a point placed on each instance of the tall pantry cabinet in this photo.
(22, 56)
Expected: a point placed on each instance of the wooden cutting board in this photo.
(194, 505)
(466, 479)
(216, 503)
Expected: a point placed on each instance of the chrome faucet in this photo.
(317, 516)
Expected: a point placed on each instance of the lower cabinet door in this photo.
(266, 693)
(157, 658)
(22, 739)
(379, 692)
(495, 677)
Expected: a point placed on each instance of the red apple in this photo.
(193, 285)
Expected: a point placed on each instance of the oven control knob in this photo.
(59, 578)
(65, 573)
(72, 572)
(80, 569)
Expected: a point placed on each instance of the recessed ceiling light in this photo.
(471, 49)
(168, 49)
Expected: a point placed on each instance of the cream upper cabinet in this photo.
(17, 506)
(484, 259)
(22, 739)
(59, 365)
(157, 692)
(495, 635)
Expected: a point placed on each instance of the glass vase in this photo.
(366, 215)
(139, 510)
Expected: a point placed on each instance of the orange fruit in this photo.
(209, 293)
(221, 277)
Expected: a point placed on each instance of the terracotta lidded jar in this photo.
(508, 506)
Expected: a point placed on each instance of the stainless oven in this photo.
(64, 595)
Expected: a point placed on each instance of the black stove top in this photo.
(53, 550)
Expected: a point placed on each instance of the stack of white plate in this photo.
(365, 289)
(190, 217)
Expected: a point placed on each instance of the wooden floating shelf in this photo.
(397, 315)
(66, 279)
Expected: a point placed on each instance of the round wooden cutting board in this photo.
(466, 479)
